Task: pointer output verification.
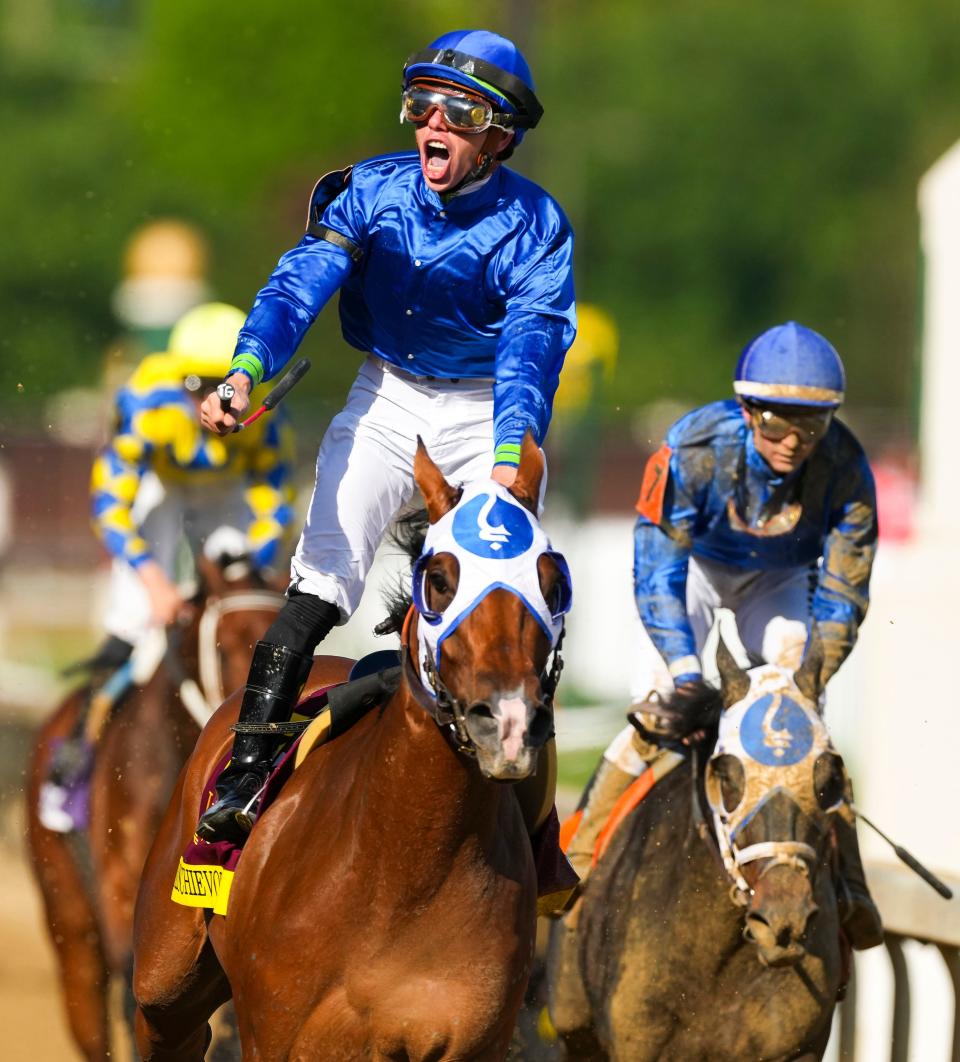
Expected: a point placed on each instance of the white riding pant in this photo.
(772, 613)
(365, 470)
(169, 516)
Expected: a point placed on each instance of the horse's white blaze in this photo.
(512, 725)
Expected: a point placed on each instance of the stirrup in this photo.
(232, 817)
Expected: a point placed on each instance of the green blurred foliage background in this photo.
(725, 166)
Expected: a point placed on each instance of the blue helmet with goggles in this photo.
(485, 64)
(790, 365)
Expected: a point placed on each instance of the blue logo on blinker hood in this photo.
(776, 731)
(490, 527)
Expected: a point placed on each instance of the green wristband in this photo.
(507, 454)
(248, 363)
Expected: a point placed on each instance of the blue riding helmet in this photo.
(486, 63)
(790, 365)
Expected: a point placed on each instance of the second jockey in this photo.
(455, 281)
(160, 481)
(764, 505)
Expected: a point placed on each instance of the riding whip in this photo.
(226, 391)
(912, 862)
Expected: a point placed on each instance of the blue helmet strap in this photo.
(480, 170)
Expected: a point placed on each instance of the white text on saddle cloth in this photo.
(497, 543)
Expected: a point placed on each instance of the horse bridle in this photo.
(795, 854)
(201, 700)
(449, 712)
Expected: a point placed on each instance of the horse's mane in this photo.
(408, 532)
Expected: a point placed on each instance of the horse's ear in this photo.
(526, 487)
(807, 676)
(734, 681)
(439, 496)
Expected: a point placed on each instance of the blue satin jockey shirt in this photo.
(479, 284)
(713, 463)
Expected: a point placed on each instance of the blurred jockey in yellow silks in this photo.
(160, 480)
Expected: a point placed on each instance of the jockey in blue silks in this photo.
(455, 280)
(765, 505)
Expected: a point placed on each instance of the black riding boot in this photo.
(277, 675)
(858, 913)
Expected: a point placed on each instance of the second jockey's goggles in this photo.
(775, 424)
(462, 114)
(497, 543)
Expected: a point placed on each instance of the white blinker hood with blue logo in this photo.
(497, 543)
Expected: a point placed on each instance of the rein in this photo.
(796, 854)
(448, 711)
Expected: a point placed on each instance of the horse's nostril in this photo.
(480, 710)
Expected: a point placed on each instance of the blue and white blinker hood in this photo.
(497, 543)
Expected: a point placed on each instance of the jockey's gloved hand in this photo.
(668, 720)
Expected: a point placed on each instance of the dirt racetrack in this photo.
(31, 1015)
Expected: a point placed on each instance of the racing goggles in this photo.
(774, 425)
(463, 114)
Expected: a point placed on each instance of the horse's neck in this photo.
(420, 778)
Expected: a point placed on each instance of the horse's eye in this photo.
(438, 581)
(728, 772)
(828, 780)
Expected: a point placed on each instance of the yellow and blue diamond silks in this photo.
(157, 427)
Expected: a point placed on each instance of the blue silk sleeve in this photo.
(843, 589)
(300, 286)
(539, 327)
(305, 278)
(660, 562)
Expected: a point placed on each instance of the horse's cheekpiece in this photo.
(496, 542)
(205, 873)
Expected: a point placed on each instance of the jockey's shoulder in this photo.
(717, 425)
(840, 454)
(395, 164)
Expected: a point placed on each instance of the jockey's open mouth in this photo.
(435, 159)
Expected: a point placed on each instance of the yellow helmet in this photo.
(203, 340)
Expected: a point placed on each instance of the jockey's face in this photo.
(804, 429)
(447, 156)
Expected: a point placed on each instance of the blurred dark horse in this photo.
(384, 906)
(709, 929)
(89, 879)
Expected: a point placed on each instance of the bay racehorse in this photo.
(88, 879)
(709, 929)
(384, 905)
